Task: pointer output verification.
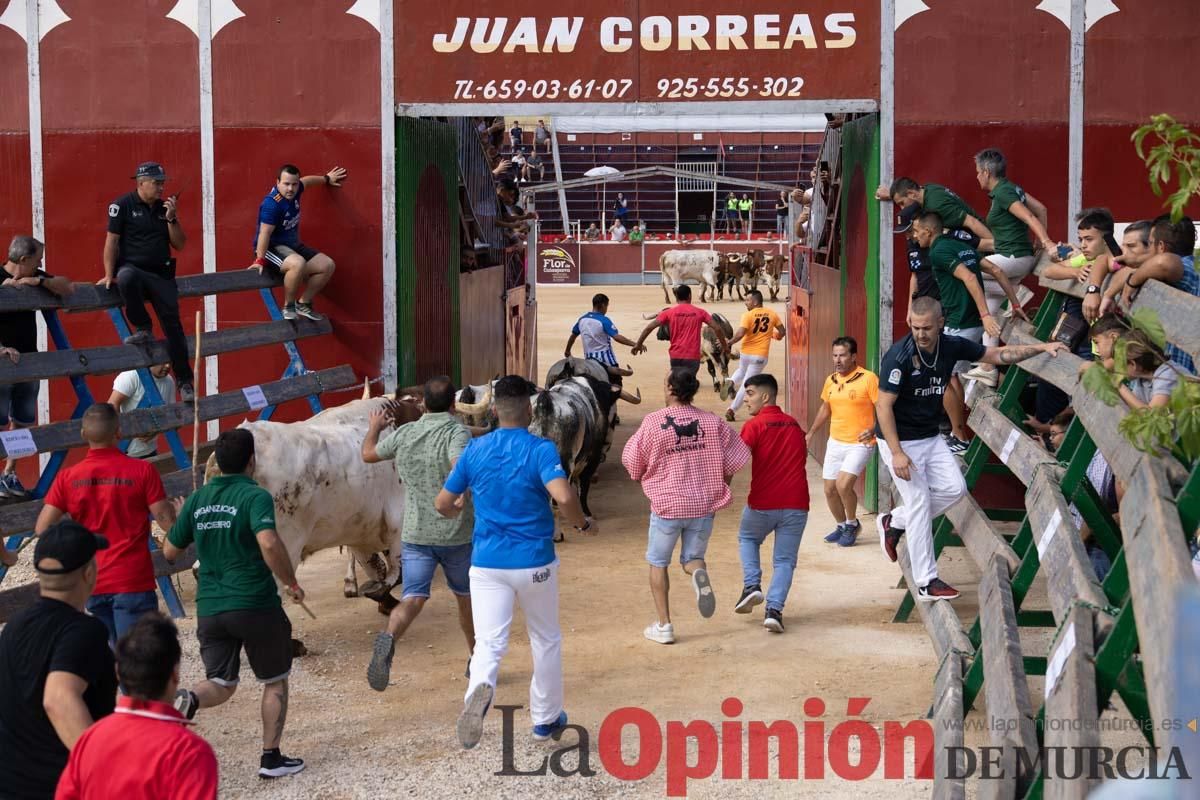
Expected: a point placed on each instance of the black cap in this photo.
(68, 543)
(152, 170)
(904, 219)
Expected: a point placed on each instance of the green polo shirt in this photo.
(959, 309)
(425, 452)
(731, 204)
(745, 205)
(1011, 234)
(947, 205)
(223, 518)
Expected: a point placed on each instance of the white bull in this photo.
(677, 266)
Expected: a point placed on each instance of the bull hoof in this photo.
(349, 590)
(560, 537)
(298, 649)
(373, 589)
(386, 605)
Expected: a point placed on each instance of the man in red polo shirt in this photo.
(778, 498)
(144, 750)
(113, 495)
(684, 321)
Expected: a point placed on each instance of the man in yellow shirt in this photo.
(758, 326)
(848, 405)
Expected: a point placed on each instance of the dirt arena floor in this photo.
(839, 644)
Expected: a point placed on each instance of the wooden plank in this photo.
(93, 297)
(116, 358)
(144, 422)
(1072, 718)
(948, 730)
(1062, 370)
(1010, 712)
(1067, 287)
(1064, 559)
(977, 533)
(1159, 567)
(1179, 312)
(944, 626)
(1016, 449)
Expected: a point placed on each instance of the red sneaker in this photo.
(937, 589)
(889, 537)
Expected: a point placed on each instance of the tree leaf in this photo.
(1096, 381)
(1187, 423)
(1148, 322)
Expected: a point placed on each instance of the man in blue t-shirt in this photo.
(512, 475)
(277, 240)
(598, 334)
(913, 377)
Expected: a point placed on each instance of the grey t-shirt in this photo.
(1163, 383)
(424, 452)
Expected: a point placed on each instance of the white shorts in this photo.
(971, 334)
(845, 457)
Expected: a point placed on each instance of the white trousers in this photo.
(1015, 268)
(748, 366)
(935, 484)
(494, 594)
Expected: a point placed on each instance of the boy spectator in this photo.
(848, 404)
(127, 394)
(277, 240)
(18, 334)
(519, 164)
(541, 135)
(231, 519)
(55, 666)
(1151, 378)
(534, 163)
(114, 495)
(179, 766)
(142, 230)
(778, 499)
(683, 321)
(515, 135)
(684, 458)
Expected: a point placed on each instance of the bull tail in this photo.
(211, 470)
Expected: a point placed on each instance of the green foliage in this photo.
(1174, 157)
(1149, 429)
(1100, 382)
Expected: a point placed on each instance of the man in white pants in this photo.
(755, 330)
(848, 404)
(1012, 217)
(913, 376)
(512, 475)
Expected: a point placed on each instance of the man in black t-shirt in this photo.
(913, 377)
(56, 669)
(143, 229)
(18, 334)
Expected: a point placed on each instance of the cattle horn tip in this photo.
(366, 389)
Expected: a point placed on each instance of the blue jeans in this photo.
(788, 525)
(665, 532)
(118, 612)
(418, 562)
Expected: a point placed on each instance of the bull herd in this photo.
(326, 496)
(717, 272)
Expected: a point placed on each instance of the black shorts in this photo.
(277, 253)
(266, 634)
(687, 363)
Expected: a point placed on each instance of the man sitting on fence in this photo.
(18, 334)
(143, 229)
(127, 394)
(112, 494)
(277, 240)
(912, 379)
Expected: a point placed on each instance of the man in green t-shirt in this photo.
(425, 452)
(231, 520)
(1012, 217)
(955, 213)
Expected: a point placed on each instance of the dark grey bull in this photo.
(576, 414)
(714, 357)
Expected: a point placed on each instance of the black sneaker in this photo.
(140, 336)
(275, 764)
(380, 668)
(773, 621)
(957, 446)
(889, 537)
(751, 596)
(186, 703)
(937, 589)
(306, 310)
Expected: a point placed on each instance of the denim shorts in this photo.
(418, 562)
(18, 401)
(665, 532)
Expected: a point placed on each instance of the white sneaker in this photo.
(663, 634)
(985, 375)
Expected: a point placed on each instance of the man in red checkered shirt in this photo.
(684, 458)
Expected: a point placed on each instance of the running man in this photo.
(277, 241)
(598, 334)
(755, 331)
(683, 321)
(848, 405)
(916, 372)
(512, 475)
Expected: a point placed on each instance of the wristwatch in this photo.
(1092, 289)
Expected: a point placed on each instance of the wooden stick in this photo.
(196, 408)
(307, 610)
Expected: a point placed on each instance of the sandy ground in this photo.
(839, 644)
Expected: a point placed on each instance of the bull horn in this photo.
(366, 389)
(475, 409)
(649, 316)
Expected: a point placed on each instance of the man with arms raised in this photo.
(913, 377)
(684, 322)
